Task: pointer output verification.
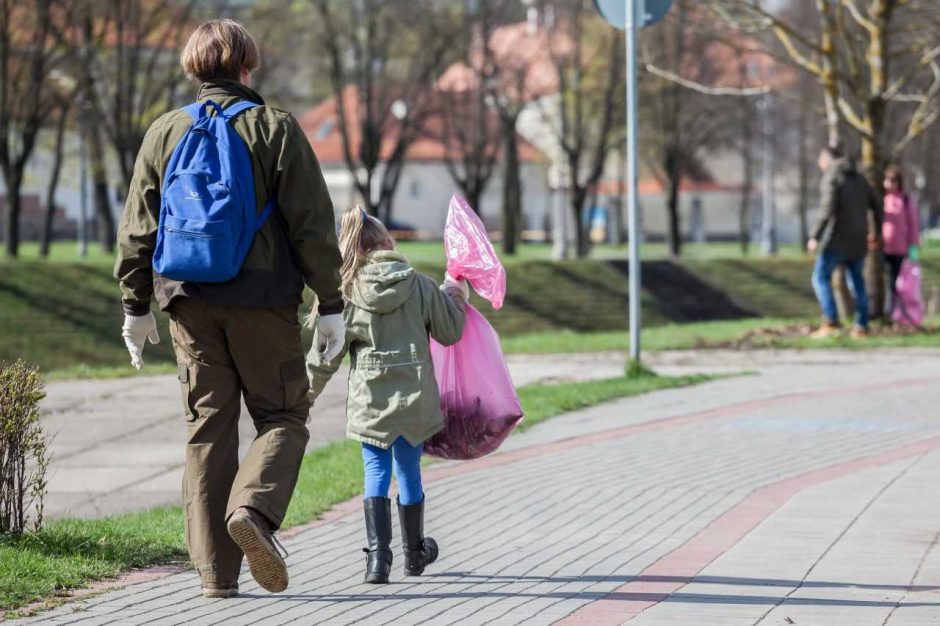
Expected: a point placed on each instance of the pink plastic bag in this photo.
(470, 254)
(909, 306)
(478, 398)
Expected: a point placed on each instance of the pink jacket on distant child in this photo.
(901, 226)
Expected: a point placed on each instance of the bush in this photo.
(23, 447)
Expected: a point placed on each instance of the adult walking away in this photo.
(901, 228)
(234, 322)
(841, 238)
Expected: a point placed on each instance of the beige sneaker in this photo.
(219, 590)
(826, 331)
(859, 332)
(252, 534)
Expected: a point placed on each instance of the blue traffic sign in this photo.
(648, 12)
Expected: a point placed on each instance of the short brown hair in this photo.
(220, 49)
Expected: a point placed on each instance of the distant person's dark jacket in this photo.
(845, 201)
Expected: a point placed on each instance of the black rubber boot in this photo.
(420, 551)
(378, 513)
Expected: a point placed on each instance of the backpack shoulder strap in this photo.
(194, 109)
(234, 109)
(198, 110)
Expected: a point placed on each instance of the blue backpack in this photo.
(208, 211)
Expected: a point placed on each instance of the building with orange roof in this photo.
(424, 190)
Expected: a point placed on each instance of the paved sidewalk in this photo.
(118, 444)
(802, 495)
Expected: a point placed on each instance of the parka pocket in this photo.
(186, 392)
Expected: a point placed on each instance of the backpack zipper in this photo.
(186, 233)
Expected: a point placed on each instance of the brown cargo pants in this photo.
(224, 352)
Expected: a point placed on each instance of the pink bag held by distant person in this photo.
(470, 254)
(478, 399)
(909, 306)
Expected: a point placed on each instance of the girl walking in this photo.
(394, 405)
(901, 226)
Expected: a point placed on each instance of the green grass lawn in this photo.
(65, 316)
(69, 553)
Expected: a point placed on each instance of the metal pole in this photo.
(631, 182)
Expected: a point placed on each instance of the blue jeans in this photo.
(826, 263)
(378, 470)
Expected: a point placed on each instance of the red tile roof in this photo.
(321, 126)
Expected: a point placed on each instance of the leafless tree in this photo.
(64, 106)
(587, 59)
(470, 124)
(130, 50)
(383, 58)
(28, 54)
(875, 62)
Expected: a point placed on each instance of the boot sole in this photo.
(376, 580)
(266, 566)
(432, 550)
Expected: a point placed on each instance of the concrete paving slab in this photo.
(806, 492)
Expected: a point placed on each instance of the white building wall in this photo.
(424, 193)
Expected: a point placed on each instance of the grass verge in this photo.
(752, 333)
(69, 553)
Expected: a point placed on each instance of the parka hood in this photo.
(384, 283)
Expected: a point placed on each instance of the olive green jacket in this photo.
(390, 313)
(296, 245)
(846, 199)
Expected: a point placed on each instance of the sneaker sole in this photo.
(266, 565)
(217, 594)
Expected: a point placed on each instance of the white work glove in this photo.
(460, 285)
(136, 331)
(330, 336)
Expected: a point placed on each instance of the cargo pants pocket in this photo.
(295, 384)
(186, 392)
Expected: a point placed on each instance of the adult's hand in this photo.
(330, 336)
(136, 331)
(812, 245)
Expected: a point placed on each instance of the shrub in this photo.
(23, 447)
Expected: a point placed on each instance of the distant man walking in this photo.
(841, 238)
(227, 217)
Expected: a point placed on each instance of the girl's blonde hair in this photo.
(359, 234)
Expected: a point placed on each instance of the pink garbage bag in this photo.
(478, 399)
(908, 305)
(470, 254)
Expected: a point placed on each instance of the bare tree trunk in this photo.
(674, 177)
(54, 182)
(747, 184)
(14, 182)
(512, 187)
(803, 157)
(99, 181)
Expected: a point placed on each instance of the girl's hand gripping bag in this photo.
(478, 398)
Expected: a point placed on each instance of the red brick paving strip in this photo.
(354, 505)
(718, 537)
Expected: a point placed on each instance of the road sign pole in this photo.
(631, 182)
